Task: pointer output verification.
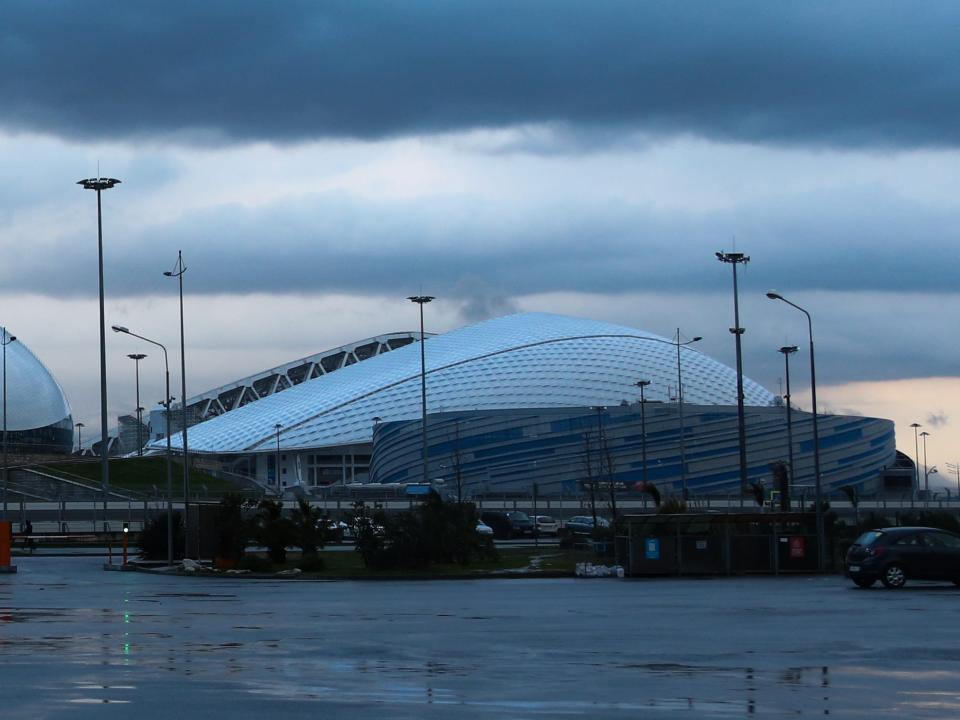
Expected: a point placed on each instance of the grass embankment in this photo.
(142, 475)
(344, 565)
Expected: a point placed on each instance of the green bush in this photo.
(255, 564)
(311, 563)
(231, 529)
(273, 531)
(153, 539)
(436, 532)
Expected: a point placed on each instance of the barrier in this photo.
(6, 542)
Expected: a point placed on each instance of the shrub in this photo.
(256, 564)
(311, 563)
(309, 527)
(153, 539)
(231, 529)
(272, 530)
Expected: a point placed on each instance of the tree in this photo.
(272, 530)
(231, 529)
(309, 527)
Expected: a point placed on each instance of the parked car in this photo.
(507, 525)
(896, 554)
(583, 524)
(546, 525)
(483, 529)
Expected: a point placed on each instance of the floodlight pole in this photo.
(683, 441)
(166, 405)
(7, 339)
(643, 424)
(100, 184)
(787, 351)
(137, 357)
(278, 427)
(177, 272)
(421, 300)
(816, 435)
(926, 473)
(916, 466)
(735, 259)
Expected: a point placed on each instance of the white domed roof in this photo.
(34, 397)
(525, 360)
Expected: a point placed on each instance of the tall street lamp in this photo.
(816, 437)
(916, 456)
(178, 270)
(735, 259)
(643, 424)
(137, 357)
(787, 351)
(79, 426)
(99, 185)
(7, 339)
(166, 405)
(422, 300)
(278, 427)
(926, 472)
(683, 442)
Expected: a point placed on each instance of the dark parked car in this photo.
(508, 525)
(583, 524)
(895, 554)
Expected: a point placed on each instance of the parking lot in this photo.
(79, 642)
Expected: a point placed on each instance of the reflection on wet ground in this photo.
(76, 642)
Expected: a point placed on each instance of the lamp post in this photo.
(643, 424)
(276, 463)
(7, 339)
(787, 351)
(137, 357)
(99, 185)
(178, 270)
(166, 405)
(926, 472)
(79, 426)
(683, 442)
(916, 466)
(738, 259)
(422, 300)
(816, 437)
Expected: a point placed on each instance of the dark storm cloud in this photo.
(850, 240)
(856, 73)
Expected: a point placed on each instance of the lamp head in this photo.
(698, 338)
(642, 383)
(98, 183)
(420, 299)
(120, 329)
(915, 425)
(924, 434)
(136, 356)
(788, 349)
(168, 273)
(774, 295)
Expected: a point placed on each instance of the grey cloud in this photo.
(851, 241)
(822, 73)
(938, 419)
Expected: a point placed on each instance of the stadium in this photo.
(530, 398)
(38, 417)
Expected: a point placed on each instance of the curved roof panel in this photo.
(34, 398)
(517, 361)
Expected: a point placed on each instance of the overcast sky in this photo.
(317, 162)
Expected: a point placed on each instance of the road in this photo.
(77, 642)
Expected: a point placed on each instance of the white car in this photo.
(546, 525)
(483, 529)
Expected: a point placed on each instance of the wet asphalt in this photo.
(78, 642)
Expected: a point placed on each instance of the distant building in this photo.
(38, 415)
(520, 391)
